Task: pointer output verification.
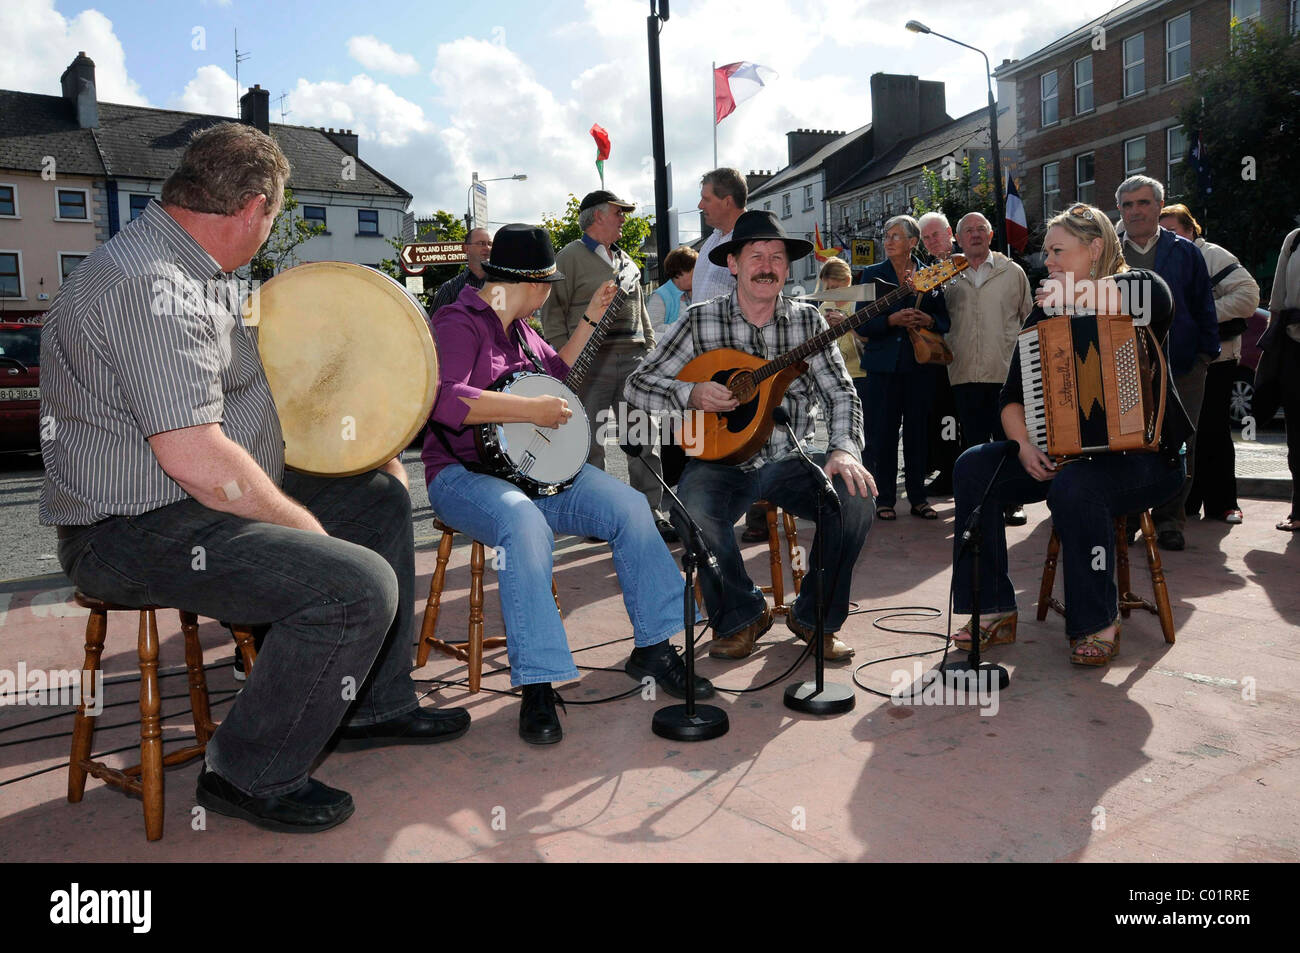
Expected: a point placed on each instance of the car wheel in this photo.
(1241, 397)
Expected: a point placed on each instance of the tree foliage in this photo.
(288, 232)
(956, 189)
(442, 226)
(1247, 109)
(564, 228)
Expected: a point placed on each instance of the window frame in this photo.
(785, 205)
(17, 212)
(130, 204)
(1171, 50)
(22, 290)
(1048, 210)
(1043, 98)
(1170, 160)
(1233, 15)
(83, 255)
(1078, 87)
(324, 218)
(1139, 64)
(58, 204)
(369, 234)
(808, 198)
(1080, 182)
(1128, 170)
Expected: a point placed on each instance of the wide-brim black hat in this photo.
(759, 225)
(522, 253)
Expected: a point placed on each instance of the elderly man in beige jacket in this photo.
(987, 304)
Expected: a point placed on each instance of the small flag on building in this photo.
(602, 150)
(735, 83)
(820, 251)
(1017, 225)
(1199, 157)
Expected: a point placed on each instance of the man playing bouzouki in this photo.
(756, 319)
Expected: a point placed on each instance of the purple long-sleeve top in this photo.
(473, 352)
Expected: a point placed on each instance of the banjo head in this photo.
(351, 363)
(546, 457)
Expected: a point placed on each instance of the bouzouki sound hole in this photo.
(743, 388)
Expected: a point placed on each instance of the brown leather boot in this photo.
(835, 650)
(740, 644)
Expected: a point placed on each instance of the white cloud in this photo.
(374, 54)
(372, 110)
(211, 91)
(40, 43)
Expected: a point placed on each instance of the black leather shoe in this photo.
(664, 664)
(1171, 539)
(1014, 515)
(538, 722)
(313, 807)
(421, 726)
(666, 530)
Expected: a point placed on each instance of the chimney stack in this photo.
(255, 108)
(345, 139)
(78, 82)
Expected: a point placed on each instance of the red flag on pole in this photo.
(602, 149)
(735, 83)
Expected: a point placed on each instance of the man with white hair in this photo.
(1193, 341)
(987, 304)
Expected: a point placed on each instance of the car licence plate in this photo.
(20, 393)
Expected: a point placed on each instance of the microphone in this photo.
(782, 418)
(635, 450)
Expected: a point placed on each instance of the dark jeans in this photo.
(716, 494)
(1291, 407)
(1084, 498)
(340, 610)
(1171, 515)
(978, 413)
(904, 396)
(941, 452)
(1214, 484)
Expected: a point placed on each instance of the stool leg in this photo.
(83, 725)
(699, 600)
(792, 542)
(476, 616)
(774, 560)
(1049, 575)
(246, 646)
(1122, 577)
(1161, 591)
(430, 625)
(151, 779)
(203, 726)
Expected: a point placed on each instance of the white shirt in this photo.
(710, 280)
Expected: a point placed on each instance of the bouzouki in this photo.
(734, 436)
(542, 461)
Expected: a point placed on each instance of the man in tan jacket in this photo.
(987, 304)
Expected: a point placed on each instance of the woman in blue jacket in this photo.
(897, 387)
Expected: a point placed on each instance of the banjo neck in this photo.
(582, 364)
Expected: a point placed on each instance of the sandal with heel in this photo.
(1109, 647)
(1001, 632)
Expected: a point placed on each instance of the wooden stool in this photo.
(471, 651)
(146, 778)
(777, 589)
(1127, 599)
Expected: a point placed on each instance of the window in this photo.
(785, 205)
(911, 197)
(807, 198)
(1295, 16)
(1135, 72)
(72, 204)
(1178, 47)
(8, 201)
(845, 211)
(1051, 189)
(138, 204)
(1244, 10)
(1085, 178)
(315, 215)
(811, 263)
(1135, 156)
(367, 221)
(68, 263)
(1175, 152)
(1083, 85)
(11, 275)
(863, 212)
(767, 206)
(1050, 104)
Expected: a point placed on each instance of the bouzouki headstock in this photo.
(940, 273)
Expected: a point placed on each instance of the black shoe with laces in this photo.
(538, 722)
(663, 662)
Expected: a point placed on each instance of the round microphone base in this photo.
(831, 700)
(965, 675)
(673, 723)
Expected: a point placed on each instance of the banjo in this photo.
(539, 460)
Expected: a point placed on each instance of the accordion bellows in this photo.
(1088, 385)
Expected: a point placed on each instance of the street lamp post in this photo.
(1000, 223)
(469, 196)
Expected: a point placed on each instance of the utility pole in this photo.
(658, 15)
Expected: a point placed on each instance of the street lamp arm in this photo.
(987, 67)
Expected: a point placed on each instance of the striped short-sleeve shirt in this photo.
(146, 336)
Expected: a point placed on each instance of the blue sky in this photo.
(439, 90)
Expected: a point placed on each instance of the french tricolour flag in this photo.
(1017, 224)
(735, 83)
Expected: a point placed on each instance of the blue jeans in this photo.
(339, 607)
(717, 494)
(1084, 498)
(899, 396)
(521, 530)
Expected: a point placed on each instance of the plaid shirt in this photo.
(719, 323)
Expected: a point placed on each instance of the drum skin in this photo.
(351, 362)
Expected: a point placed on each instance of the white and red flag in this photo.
(1017, 224)
(735, 83)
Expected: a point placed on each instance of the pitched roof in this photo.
(792, 172)
(140, 142)
(925, 149)
(1119, 14)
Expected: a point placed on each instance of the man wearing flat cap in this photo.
(588, 262)
(757, 319)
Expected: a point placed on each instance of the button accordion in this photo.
(1092, 384)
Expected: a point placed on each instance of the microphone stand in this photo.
(970, 539)
(816, 697)
(688, 722)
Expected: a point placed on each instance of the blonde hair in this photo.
(1086, 223)
(836, 268)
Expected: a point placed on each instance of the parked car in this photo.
(20, 386)
(1243, 388)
